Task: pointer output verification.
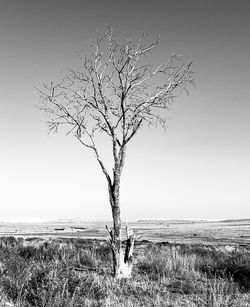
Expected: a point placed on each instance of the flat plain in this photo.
(217, 233)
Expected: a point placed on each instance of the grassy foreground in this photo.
(77, 272)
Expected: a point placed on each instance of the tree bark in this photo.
(122, 262)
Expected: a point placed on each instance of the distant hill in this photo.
(170, 221)
(235, 220)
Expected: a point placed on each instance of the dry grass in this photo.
(41, 273)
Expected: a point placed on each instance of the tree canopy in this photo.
(114, 92)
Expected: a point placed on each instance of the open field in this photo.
(68, 263)
(227, 232)
(63, 272)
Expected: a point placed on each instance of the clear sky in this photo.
(199, 168)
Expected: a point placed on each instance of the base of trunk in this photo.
(124, 269)
(122, 262)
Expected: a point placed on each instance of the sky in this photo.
(199, 168)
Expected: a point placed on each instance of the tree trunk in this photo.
(122, 262)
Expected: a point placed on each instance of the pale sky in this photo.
(199, 168)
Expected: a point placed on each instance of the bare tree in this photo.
(115, 92)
